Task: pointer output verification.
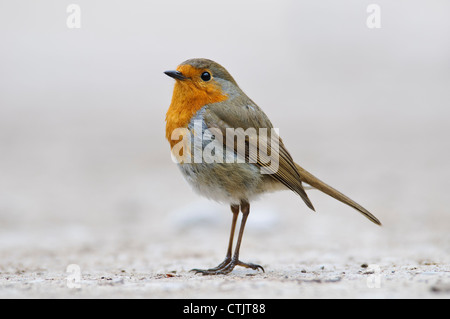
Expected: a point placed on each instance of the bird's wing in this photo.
(245, 114)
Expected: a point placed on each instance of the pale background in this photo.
(86, 176)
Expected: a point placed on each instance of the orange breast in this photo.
(188, 98)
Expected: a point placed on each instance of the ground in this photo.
(305, 255)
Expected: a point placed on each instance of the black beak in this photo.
(177, 75)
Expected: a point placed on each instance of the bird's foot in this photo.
(226, 267)
(212, 270)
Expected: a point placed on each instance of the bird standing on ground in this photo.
(206, 98)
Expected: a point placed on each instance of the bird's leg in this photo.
(235, 211)
(230, 262)
(245, 209)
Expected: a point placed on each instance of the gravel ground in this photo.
(147, 251)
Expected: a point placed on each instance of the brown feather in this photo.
(323, 187)
(286, 173)
(244, 113)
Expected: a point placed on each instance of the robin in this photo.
(206, 97)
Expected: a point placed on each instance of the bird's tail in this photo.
(310, 179)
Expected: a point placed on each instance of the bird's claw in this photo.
(226, 267)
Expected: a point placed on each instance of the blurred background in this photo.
(86, 174)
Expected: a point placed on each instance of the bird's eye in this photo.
(206, 76)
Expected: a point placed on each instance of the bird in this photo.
(206, 105)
